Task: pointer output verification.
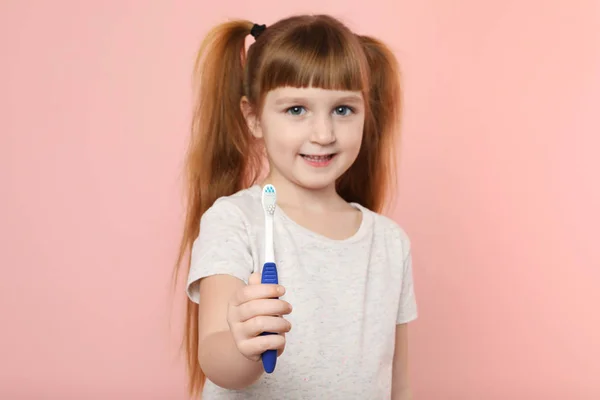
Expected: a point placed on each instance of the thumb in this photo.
(254, 279)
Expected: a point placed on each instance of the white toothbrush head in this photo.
(269, 199)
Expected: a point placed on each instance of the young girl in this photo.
(322, 104)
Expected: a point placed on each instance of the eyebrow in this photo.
(351, 99)
(346, 99)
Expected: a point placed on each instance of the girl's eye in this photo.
(296, 110)
(343, 110)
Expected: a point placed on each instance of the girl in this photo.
(322, 104)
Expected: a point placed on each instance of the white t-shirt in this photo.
(347, 297)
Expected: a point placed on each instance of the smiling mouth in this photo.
(320, 158)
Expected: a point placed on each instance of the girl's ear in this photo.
(251, 118)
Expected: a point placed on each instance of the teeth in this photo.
(317, 158)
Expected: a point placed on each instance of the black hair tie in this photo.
(257, 30)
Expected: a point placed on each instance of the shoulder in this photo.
(387, 229)
(224, 243)
(239, 207)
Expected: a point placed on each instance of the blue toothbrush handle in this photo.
(269, 357)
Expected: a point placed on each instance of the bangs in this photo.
(315, 56)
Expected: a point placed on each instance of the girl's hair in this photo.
(300, 51)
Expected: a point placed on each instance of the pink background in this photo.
(499, 194)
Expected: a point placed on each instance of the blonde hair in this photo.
(300, 51)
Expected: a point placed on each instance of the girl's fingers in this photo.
(256, 326)
(267, 307)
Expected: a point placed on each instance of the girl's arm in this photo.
(400, 382)
(218, 355)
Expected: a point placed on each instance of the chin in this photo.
(313, 182)
(316, 185)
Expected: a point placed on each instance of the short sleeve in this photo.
(222, 247)
(407, 310)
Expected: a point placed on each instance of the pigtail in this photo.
(372, 178)
(220, 154)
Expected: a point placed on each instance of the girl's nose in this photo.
(323, 132)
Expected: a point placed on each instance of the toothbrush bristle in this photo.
(269, 199)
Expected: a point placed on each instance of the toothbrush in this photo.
(269, 270)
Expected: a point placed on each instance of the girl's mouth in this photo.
(318, 160)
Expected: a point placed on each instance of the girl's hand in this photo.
(254, 309)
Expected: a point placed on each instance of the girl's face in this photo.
(312, 136)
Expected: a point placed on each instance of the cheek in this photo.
(276, 145)
(351, 137)
(282, 138)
